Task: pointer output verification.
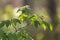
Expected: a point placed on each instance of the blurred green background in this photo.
(47, 8)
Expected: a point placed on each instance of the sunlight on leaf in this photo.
(23, 17)
(44, 26)
(47, 25)
(51, 27)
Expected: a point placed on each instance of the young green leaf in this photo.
(44, 26)
(50, 27)
(23, 17)
(33, 18)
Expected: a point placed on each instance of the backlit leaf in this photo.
(48, 25)
(44, 26)
(51, 27)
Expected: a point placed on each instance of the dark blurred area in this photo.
(50, 9)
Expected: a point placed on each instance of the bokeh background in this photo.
(50, 9)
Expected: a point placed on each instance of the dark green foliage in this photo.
(2, 35)
(27, 11)
(15, 21)
(6, 22)
(1, 24)
(36, 23)
(12, 36)
(22, 34)
(9, 22)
